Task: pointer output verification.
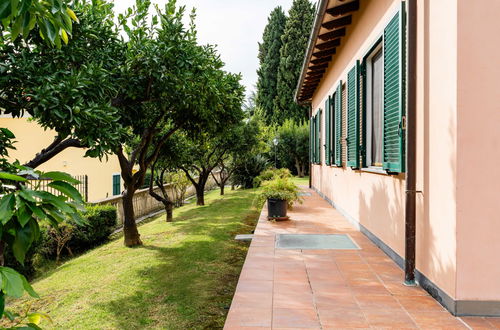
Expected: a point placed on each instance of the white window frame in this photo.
(369, 125)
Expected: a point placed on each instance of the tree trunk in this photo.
(132, 237)
(200, 194)
(222, 185)
(300, 170)
(169, 207)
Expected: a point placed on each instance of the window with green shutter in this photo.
(337, 141)
(310, 139)
(394, 94)
(353, 117)
(313, 143)
(328, 117)
(318, 137)
(116, 184)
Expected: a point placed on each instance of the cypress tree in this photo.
(295, 37)
(269, 58)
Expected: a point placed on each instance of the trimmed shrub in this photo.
(100, 222)
(271, 174)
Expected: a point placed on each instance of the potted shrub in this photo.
(280, 194)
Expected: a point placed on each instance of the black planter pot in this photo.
(276, 209)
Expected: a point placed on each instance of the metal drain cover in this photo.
(316, 242)
(305, 194)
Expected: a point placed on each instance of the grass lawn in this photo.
(301, 181)
(182, 278)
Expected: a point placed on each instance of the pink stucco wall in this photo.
(478, 155)
(436, 142)
(377, 200)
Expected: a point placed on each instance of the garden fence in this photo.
(144, 203)
(82, 187)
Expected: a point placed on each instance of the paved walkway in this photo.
(330, 289)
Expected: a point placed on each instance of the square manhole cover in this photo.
(305, 194)
(316, 242)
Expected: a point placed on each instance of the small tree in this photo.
(164, 171)
(293, 146)
(180, 184)
(158, 177)
(201, 155)
(168, 82)
(223, 174)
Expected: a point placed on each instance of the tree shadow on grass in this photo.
(194, 282)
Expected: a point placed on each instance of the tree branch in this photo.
(125, 165)
(52, 150)
(151, 190)
(215, 179)
(160, 144)
(189, 176)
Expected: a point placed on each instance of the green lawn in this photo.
(182, 278)
(301, 181)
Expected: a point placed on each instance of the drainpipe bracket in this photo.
(411, 283)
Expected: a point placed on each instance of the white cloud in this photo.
(235, 26)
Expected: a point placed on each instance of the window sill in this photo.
(374, 170)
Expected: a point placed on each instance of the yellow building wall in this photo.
(31, 138)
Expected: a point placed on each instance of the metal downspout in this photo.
(411, 154)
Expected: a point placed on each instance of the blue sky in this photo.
(235, 26)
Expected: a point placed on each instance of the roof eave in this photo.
(318, 20)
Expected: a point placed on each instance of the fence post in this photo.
(86, 187)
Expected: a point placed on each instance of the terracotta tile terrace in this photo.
(330, 289)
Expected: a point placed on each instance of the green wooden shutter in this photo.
(315, 139)
(327, 130)
(311, 139)
(318, 137)
(394, 94)
(338, 125)
(353, 117)
(116, 184)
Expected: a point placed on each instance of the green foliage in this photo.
(280, 188)
(27, 319)
(295, 37)
(29, 267)
(293, 146)
(248, 168)
(168, 82)
(269, 60)
(53, 18)
(180, 183)
(70, 89)
(100, 222)
(22, 207)
(182, 279)
(271, 174)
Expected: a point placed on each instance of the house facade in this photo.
(103, 178)
(356, 79)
